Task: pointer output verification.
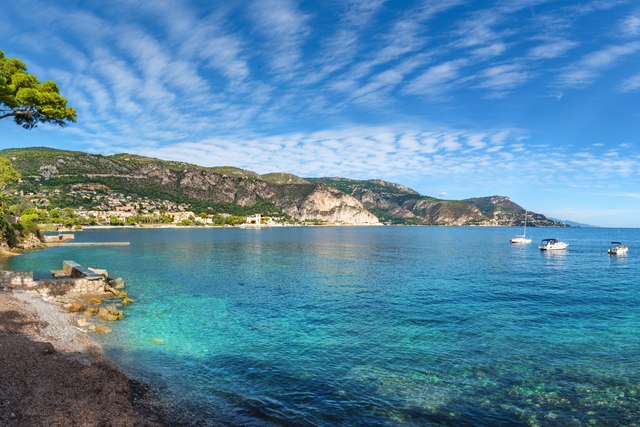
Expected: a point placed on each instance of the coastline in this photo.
(55, 373)
(249, 226)
(46, 335)
(208, 226)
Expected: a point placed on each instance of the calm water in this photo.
(377, 326)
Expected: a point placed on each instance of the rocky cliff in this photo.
(500, 210)
(234, 190)
(14, 238)
(213, 189)
(398, 204)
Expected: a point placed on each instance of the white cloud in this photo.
(341, 47)
(405, 39)
(285, 29)
(552, 49)
(629, 194)
(436, 79)
(379, 85)
(630, 25)
(478, 31)
(468, 158)
(631, 84)
(201, 85)
(490, 51)
(589, 68)
(501, 78)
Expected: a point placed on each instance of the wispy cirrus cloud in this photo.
(285, 28)
(551, 49)
(406, 36)
(501, 78)
(436, 79)
(434, 155)
(341, 47)
(590, 67)
(631, 84)
(297, 86)
(630, 25)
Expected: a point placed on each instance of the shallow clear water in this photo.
(376, 325)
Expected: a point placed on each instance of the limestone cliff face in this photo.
(444, 212)
(300, 199)
(331, 206)
(302, 202)
(402, 204)
(325, 200)
(160, 174)
(396, 203)
(206, 185)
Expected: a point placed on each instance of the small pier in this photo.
(72, 279)
(87, 243)
(71, 269)
(60, 237)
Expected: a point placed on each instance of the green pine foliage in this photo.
(28, 101)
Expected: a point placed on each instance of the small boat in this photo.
(552, 245)
(523, 238)
(618, 248)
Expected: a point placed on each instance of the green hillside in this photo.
(61, 178)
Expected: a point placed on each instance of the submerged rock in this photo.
(102, 329)
(117, 283)
(116, 292)
(110, 313)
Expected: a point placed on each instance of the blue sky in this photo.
(537, 100)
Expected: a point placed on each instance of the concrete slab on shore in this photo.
(88, 244)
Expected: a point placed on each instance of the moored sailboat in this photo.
(523, 238)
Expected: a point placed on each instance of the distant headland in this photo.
(131, 189)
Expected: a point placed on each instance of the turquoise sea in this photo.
(376, 325)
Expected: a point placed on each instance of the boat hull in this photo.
(554, 247)
(520, 240)
(618, 251)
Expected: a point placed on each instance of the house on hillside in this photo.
(253, 219)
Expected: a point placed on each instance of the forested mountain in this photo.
(58, 178)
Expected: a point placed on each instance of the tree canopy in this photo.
(28, 101)
(8, 175)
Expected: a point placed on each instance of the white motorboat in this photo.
(552, 245)
(618, 248)
(523, 238)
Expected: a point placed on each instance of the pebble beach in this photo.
(53, 373)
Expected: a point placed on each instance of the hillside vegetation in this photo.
(63, 179)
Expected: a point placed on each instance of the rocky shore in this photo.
(53, 373)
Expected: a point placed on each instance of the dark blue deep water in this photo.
(376, 325)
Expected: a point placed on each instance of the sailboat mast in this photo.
(525, 224)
